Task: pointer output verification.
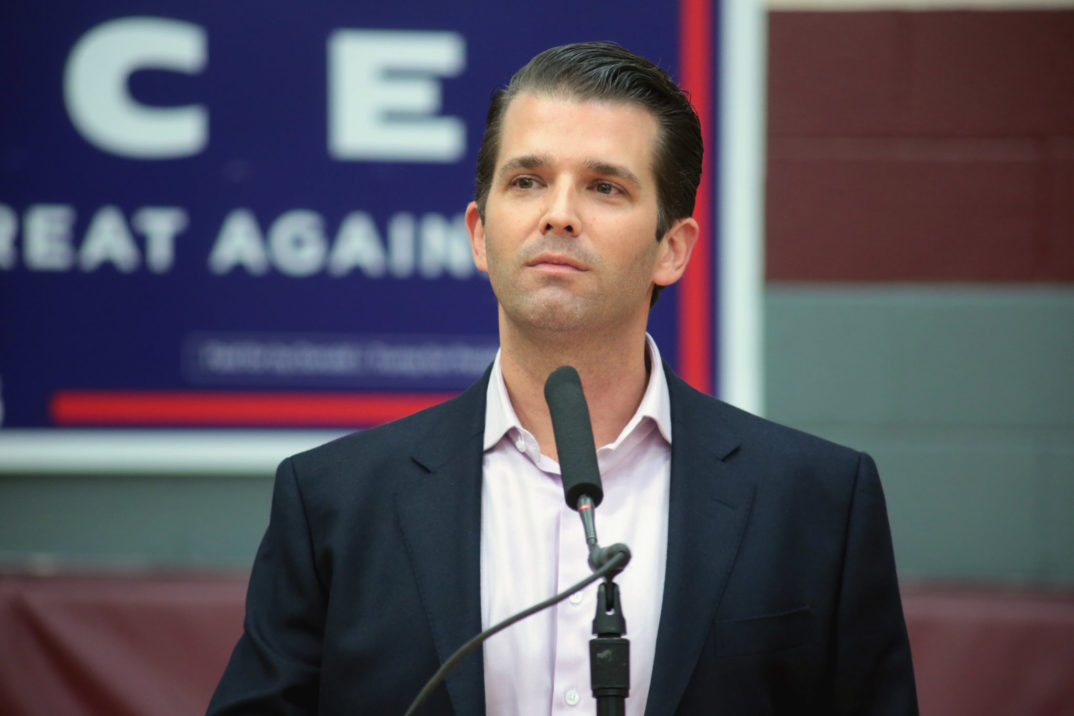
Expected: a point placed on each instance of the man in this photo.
(763, 579)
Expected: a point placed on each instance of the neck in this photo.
(614, 372)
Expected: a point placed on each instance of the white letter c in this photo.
(101, 108)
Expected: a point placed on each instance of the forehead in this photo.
(564, 128)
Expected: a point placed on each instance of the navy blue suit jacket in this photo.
(780, 594)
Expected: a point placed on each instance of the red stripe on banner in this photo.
(155, 408)
(695, 289)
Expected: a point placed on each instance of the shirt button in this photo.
(575, 598)
(520, 443)
(571, 697)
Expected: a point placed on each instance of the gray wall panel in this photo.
(130, 521)
(1055, 526)
(920, 355)
(963, 394)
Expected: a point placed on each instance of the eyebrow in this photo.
(527, 162)
(535, 161)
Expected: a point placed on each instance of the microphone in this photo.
(574, 436)
(578, 459)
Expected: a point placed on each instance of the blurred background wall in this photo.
(920, 259)
(919, 302)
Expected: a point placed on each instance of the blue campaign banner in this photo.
(250, 213)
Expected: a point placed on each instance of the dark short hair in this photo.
(606, 71)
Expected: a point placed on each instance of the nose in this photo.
(561, 215)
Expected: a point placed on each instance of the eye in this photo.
(603, 187)
(524, 182)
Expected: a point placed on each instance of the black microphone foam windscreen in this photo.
(574, 436)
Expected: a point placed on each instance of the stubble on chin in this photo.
(548, 308)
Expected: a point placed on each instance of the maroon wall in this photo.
(931, 146)
(157, 644)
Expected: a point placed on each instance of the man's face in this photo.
(568, 238)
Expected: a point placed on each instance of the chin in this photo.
(553, 316)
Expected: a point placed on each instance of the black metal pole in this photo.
(609, 653)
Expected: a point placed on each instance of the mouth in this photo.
(556, 263)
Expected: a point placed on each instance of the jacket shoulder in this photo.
(737, 430)
(430, 436)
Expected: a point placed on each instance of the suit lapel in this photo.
(709, 507)
(440, 517)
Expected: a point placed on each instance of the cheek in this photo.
(643, 267)
(497, 254)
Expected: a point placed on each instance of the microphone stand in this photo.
(609, 652)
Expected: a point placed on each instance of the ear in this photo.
(675, 249)
(475, 227)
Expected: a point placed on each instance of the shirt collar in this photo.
(500, 416)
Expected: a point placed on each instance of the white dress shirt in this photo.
(533, 546)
